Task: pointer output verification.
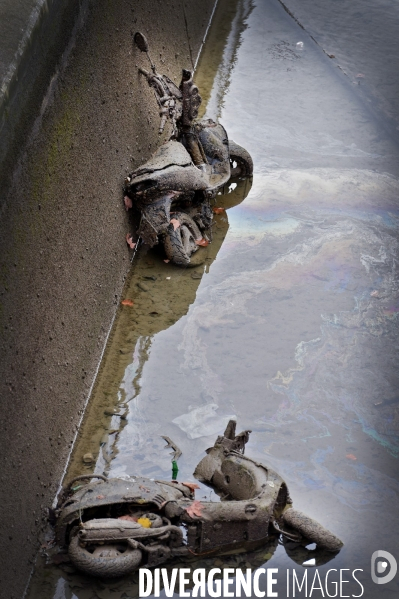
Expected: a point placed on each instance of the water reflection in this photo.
(223, 42)
(70, 585)
(161, 296)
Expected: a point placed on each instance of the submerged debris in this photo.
(127, 302)
(113, 526)
(173, 189)
(88, 458)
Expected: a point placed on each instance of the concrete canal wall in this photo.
(33, 37)
(63, 256)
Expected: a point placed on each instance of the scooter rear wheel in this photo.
(104, 561)
(180, 243)
(244, 165)
(311, 530)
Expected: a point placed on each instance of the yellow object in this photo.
(145, 522)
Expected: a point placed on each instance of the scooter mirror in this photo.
(141, 41)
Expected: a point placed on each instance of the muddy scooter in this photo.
(173, 190)
(112, 527)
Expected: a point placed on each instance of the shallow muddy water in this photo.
(289, 320)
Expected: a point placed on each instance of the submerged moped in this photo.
(114, 526)
(173, 190)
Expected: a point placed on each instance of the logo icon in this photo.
(383, 563)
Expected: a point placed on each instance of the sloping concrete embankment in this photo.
(63, 257)
(33, 37)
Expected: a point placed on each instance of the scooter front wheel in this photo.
(240, 161)
(180, 242)
(312, 530)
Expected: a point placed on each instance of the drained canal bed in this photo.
(287, 323)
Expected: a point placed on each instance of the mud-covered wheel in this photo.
(104, 561)
(180, 243)
(240, 161)
(312, 530)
